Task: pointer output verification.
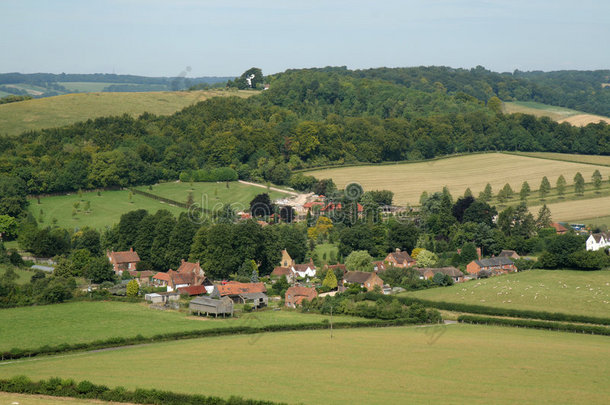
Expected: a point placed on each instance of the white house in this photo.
(598, 241)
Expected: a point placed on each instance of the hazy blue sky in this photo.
(162, 38)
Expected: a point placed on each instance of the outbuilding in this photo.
(207, 306)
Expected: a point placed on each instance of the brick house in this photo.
(399, 259)
(295, 295)
(188, 274)
(559, 229)
(495, 265)
(363, 278)
(123, 261)
(144, 278)
(428, 273)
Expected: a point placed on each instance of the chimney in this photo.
(479, 252)
(131, 249)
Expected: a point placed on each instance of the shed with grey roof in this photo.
(207, 306)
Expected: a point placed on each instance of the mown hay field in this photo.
(432, 364)
(603, 160)
(559, 114)
(409, 180)
(81, 322)
(564, 291)
(579, 210)
(58, 111)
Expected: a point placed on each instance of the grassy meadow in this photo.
(212, 195)
(79, 322)
(565, 291)
(57, 111)
(105, 210)
(559, 114)
(435, 364)
(24, 276)
(408, 180)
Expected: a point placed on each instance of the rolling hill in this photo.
(58, 111)
(559, 114)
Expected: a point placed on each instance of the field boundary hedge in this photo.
(58, 387)
(528, 323)
(514, 313)
(17, 353)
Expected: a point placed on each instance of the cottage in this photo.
(598, 241)
(399, 259)
(379, 266)
(495, 265)
(144, 278)
(456, 275)
(511, 254)
(559, 229)
(294, 271)
(188, 274)
(283, 271)
(123, 261)
(295, 295)
(207, 306)
(363, 279)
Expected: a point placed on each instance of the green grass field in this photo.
(211, 195)
(105, 210)
(78, 322)
(326, 248)
(62, 110)
(565, 291)
(24, 275)
(560, 114)
(438, 364)
(408, 180)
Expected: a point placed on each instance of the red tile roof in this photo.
(236, 288)
(192, 290)
(188, 267)
(559, 228)
(297, 294)
(128, 256)
(281, 271)
(162, 276)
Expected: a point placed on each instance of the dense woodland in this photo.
(307, 118)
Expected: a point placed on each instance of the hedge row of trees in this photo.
(528, 323)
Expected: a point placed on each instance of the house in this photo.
(379, 266)
(286, 259)
(363, 278)
(305, 270)
(399, 259)
(559, 229)
(242, 293)
(456, 275)
(122, 261)
(194, 269)
(511, 254)
(283, 271)
(192, 290)
(424, 273)
(144, 278)
(188, 274)
(295, 295)
(495, 265)
(598, 241)
(207, 306)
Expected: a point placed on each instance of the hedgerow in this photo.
(529, 323)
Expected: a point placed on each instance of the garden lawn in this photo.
(210, 195)
(400, 365)
(77, 322)
(564, 291)
(105, 210)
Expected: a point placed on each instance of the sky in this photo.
(225, 38)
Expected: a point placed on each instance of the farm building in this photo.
(399, 259)
(363, 278)
(495, 265)
(123, 261)
(295, 295)
(511, 254)
(207, 306)
(242, 293)
(162, 298)
(257, 300)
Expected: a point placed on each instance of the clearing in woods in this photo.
(51, 112)
(559, 114)
(409, 365)
(564, 291)
(409, 180)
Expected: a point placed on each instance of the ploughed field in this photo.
(432, 364)
(564, 291)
